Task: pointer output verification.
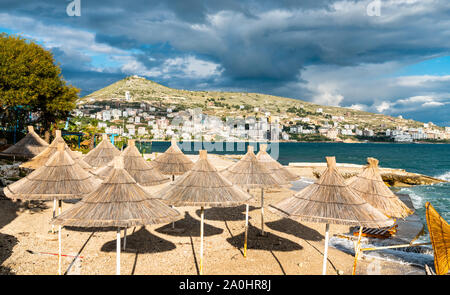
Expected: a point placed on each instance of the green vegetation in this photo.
(309, 137)
(30, 81)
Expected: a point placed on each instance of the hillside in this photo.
(228, 103)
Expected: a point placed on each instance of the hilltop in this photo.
(238, 103)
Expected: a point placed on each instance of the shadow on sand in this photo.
(226, 213)
(189, 226)
(268, 243)
(292, 227)
(7, 243)
(141, 241)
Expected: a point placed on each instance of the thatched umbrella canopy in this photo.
(60, 178)
(118, 202)
(102, 154)
(331, 200)
(371, 187)
(275, 167)
(203, 186)
(248, 173)
(42, 158)
(173, 161)
(145, 173)
(26, 148)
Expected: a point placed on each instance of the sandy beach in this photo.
(291, 247)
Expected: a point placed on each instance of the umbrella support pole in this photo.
(54, 214)
(357, 250)
(173, 207)
(173, 223)
(118, 252)
(262, 212)
(59, 250)
(202, 216)
(246, 230)
(124, 238)
(325, 252)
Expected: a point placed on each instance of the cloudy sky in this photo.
(384, 56)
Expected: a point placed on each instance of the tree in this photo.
(30, 80)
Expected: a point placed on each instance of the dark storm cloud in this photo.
(284, 47)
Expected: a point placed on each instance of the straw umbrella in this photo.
(371, 187)
(173, 162)
(275, 167)
(43, 157)
(61, 178)
(250, 173)
(145, 173)
(118, 202)
(28, 147)
(102, 154)
(331, 200)
(203, 186)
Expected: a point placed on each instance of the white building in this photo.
(142, 131)
(403, 138)
(106, 115)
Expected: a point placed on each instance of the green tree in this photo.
(32, 81)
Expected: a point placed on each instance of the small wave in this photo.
(445, 176)
(417, 200)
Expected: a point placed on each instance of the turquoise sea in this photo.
(428, 159)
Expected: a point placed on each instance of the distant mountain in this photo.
(239, 103)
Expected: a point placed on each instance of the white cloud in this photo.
(433, 104)
(383, 106)
(191, 67)
(358, 107)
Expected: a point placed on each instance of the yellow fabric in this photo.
(439, 231)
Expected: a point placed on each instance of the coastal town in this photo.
(124, 116)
